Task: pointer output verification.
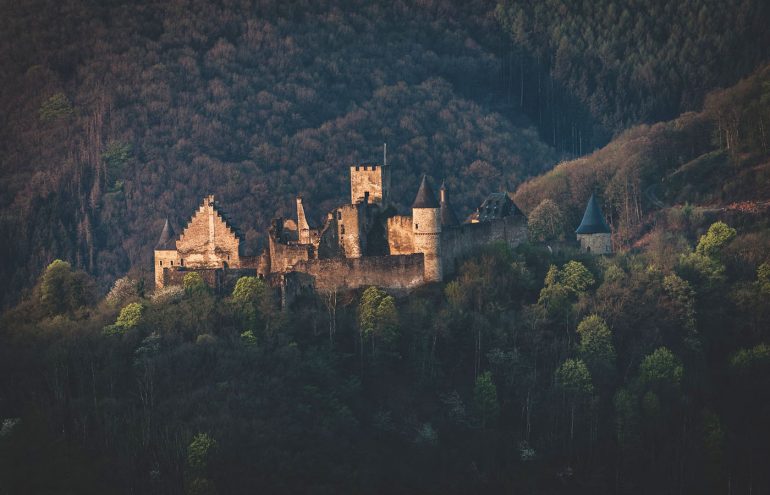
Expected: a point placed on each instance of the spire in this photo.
(448, 216)
(425, 197)
(593, 219)
(167, 239)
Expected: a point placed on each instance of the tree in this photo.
(661, 369)
(546, 222)
(763, 278)
(249, 289)
(485, 399)
(55, 107)
(717, 237)
(199, 454)
(574, 380)
(596, 348)
(63, 290)
(193, 283)
(576, 277)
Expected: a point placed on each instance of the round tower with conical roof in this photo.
(593, 233)
(426, 227)
(165, 253)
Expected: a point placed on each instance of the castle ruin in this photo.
(362, 243)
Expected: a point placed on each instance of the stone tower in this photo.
(370, 178)
(426, 228)
(165, 253)
(593, 233)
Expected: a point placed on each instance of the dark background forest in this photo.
(537, 370)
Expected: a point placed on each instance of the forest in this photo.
(532, 370)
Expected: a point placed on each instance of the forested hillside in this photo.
(117, 115)
(712, 162)
(639, 61)
(528, 373)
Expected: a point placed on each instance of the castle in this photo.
(359, 244)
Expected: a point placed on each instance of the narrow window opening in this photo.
(172, 262)
(181, 261)
(161, 262)
(417, 226)
(342, 229)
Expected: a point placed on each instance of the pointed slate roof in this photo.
(167, 239)
(448, 216)
(593, 219)
(425, 197)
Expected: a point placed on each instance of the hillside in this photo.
(637, 61)
(712, 163)
(120, 115)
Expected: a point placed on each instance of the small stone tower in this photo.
(165, 252)
(370, 182)
(593, 233)
(426, 228)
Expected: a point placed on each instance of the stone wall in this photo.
(284, 256)
(351, 229)
(207, 241)
(164, 259)
(461, 241)
(219, 279)
(371, 179)
(595, 243)
(398, 273)
(400, 238)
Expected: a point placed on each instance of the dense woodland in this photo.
(537, 370)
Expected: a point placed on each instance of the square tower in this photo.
(370, 178)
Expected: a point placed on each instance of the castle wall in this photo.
(284, 256)
(164, 259)
(400, 236)
(398, 273)
(372, 179)
(426, 231)
(462, 240)
(351, 229)
(207, 241)
(595, 243)
(220, 279)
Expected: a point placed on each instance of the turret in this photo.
(448, 217)
(165, 252)
(426, 227)
(303, 228)
(593, 233)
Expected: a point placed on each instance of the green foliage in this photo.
(130, 315)
(485, 399)
(662, 369)
(200, 452)
(718, 236)
(57, 106)
(703, 271)
(683, 298)
(574, 379)
(596, 347)
(756, 358)
(63, 290)
(115, 156)
(367, 309)
(248, 338)
(546, 222)
(763, 278)
(249, 289)
(193, 283)
(576, 277)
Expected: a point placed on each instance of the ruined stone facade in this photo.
(359, 244)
